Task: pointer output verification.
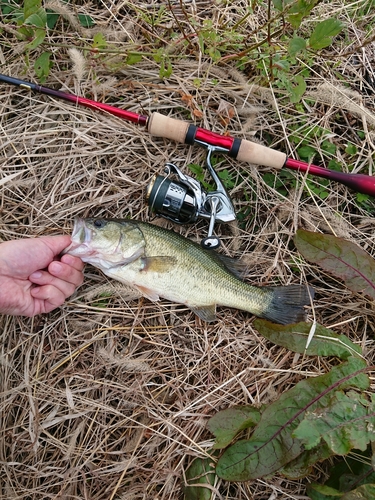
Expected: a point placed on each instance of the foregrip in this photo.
(241, 149)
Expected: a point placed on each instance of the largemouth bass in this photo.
(161, 263)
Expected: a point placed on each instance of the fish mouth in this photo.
(81, 237)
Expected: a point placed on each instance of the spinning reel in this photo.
(184, 200)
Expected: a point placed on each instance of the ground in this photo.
(108, 397)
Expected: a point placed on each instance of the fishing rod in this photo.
(181, 131)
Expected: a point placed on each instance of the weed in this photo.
(33, 21)
(76, 165)
(320, 417)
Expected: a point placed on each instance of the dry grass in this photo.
(108, 397)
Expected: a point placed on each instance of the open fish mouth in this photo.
(81, 239)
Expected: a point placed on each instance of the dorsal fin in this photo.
(235, 266)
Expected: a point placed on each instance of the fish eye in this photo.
(99, 223)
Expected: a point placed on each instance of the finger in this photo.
(44, 278)
(60, 275)
(72, 261)
(65, 272)
(52, 296)
(56, 243)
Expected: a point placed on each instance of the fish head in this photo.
(106, 242)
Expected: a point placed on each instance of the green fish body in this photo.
(161, 263)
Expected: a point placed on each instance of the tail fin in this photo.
(287, 305)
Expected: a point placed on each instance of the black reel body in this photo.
(183, 199)
(174, 200)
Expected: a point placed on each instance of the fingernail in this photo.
(55, 267)
(68, 259)
(36, 275)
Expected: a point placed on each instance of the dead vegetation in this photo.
(108, 397)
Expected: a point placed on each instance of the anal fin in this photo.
(207, 313)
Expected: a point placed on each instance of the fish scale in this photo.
(161, 263)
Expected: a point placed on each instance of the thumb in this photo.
(56, 243)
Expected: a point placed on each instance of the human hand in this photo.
(33, 279)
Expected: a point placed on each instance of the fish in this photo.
(161, 263)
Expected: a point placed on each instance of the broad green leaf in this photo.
(299, 89)
(272, 444)
(282, 64)
(42, 66)
(351, 149)
(51, 19)
(302, 465)
(99, 41)
(37, 18)
(31, 6)
(198, 171)
(200, 474)
(362, 198)
(165, 68)
(39, 36)
(133, 58)
(324, 343)
(354, 471)
(8, 7)
(296, 44)
(86, 21)
(158, 55)
(306, 152)
(324, 32)
(322, 492)
(299, 10)
(364, 492)
(278, 4)
(339, 257)
(229, 422)
(328, 147)
(348, 422)
(334, 165)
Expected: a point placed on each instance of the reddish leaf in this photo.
(341, 258)
(294, 337)
(227, 423)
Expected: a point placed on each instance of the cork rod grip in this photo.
(257, 154)
(251, 152)
(169, 128)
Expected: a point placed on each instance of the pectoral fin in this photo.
(207, 313)
(158, 264)
(149, 294)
